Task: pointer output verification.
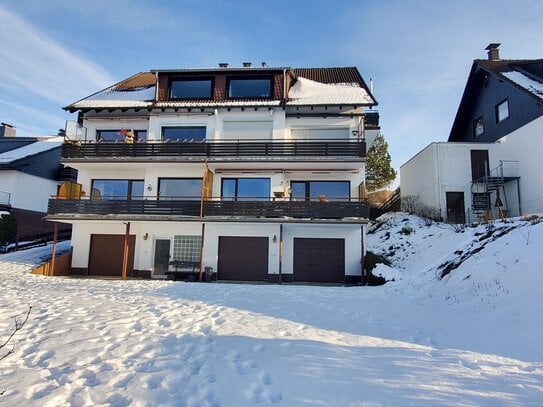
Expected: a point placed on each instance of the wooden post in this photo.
(202, 253)
(362, 269)
(125, 253)
(281, 253)
(55, 236)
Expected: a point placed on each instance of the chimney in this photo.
(223, 64)
(7, 130)
(493, 51)
(247, 64)
(264, 65)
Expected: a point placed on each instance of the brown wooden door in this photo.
(106, 255)
(479, 164)
(243, 258)
(319, 260)
(455, 207)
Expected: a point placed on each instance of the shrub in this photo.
(371, 259)
(406, 230)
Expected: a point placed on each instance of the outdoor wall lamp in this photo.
(146, 236)
(274, 240)
(149, 187)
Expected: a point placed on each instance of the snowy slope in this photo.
(417, 341)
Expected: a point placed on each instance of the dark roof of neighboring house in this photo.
(524, 74)
(36, 156)
(139, 90)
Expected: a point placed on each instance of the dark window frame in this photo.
(179, 178)
(129, 189)
(210, 79)
(475, 125)
(236, 188)
(308, 186)
(244, 78)
(183, 127)
(136, 134)
(496, 110)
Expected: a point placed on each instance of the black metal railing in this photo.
(217, 148)
(258, 207)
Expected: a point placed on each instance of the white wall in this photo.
(27, 191)
(442, 168)
(525, 145)
(144, 254)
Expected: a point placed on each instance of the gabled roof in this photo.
(524, 74)
(323, 86)
(30, 150)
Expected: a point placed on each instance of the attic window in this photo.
(478, 126)
(250, 88)
(191, 88)
(502, 111)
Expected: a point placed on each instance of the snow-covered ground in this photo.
(472, 338)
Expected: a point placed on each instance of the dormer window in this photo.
(191, 88)
(249, 88)
(478, 126)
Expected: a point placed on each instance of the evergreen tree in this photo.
(8, 229)
(379, 172)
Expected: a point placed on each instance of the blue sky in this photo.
(418, 53)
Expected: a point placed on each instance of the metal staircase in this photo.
(489, 200)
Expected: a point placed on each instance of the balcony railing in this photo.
(266, 208)
(217, 148)
(5, 198)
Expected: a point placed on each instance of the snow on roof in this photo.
(525, 82)
(308, 92)
(135, 97)
(30, 149)
(201, 102)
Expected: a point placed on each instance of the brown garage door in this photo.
(106, 255)
(243, 258)
(319, 260)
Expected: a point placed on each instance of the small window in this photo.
(250, 88)
(191, 88)
(478, 126)
(502, 111)
(194, 133)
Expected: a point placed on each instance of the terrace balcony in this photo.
(216, 207)
(216, 148)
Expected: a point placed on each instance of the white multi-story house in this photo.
(491, 165)
(247, 173)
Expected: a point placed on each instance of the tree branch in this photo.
(18, 326)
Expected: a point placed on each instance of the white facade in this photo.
(446, 167)
(27, 191)
(336, 121)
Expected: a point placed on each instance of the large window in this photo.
(250, 88)
(321, 190)
(191, 88)
(246, 189)
(117, 135)
(502, 111)
(478, 126)
(117, 189)
(185, 133)
(180, 188)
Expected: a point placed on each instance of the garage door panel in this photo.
(319, 260)
(243, 258)
(106, 255)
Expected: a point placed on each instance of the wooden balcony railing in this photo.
(266, 208)
(217, 148)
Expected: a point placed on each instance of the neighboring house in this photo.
(249, 173)
(30, 173)
(491, 165)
